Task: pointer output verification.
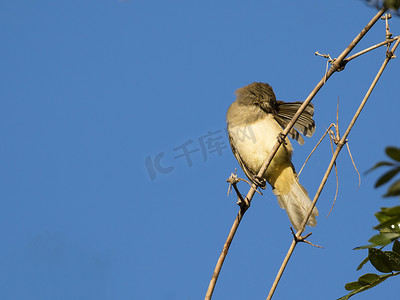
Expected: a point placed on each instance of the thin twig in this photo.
(337, 121)
(354, 165)
(335, 137)
(326, 132)
(234, 179)
(387, 42)
(336, 65)
(329, 169)
(329, 61)
(323, 55)
(302, 239)
(336, 173)
(386, 17)
(315, 148)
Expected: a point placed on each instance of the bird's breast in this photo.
(255, 141)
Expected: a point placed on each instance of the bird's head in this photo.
(258, 94)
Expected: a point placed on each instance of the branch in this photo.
(387, 42)
(337, 65)
(339, 146)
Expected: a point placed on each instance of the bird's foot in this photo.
(282, 138)
(260, 181)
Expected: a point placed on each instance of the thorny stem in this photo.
(336, 65)
(339, 147)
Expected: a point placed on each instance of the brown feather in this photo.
(293, 133)
(305, 123)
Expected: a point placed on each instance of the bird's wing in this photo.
(293, 133)
(305, 123)
(248, 173)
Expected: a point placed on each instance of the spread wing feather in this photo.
(305, 123)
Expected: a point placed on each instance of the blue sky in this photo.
(91, 90)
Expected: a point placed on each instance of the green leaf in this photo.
(394, 189)
(396, 246)
(365, 247)
(368, 279)
(393, 259)
(352, 286)
(391, 211)
(387, 176)
(359, 290)
(381, 216)
(393, 4)
(379, 260)
(391, 223)
(380, 164)
(366, 287)
(363, 263)
(383, 239)
(389, 218)
(393, 153)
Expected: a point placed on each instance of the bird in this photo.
(254, 122)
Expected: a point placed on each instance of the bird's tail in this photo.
(293, 197)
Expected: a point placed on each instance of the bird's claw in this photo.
(281, 138)
(260, 181)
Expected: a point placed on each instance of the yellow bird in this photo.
(255, 121)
